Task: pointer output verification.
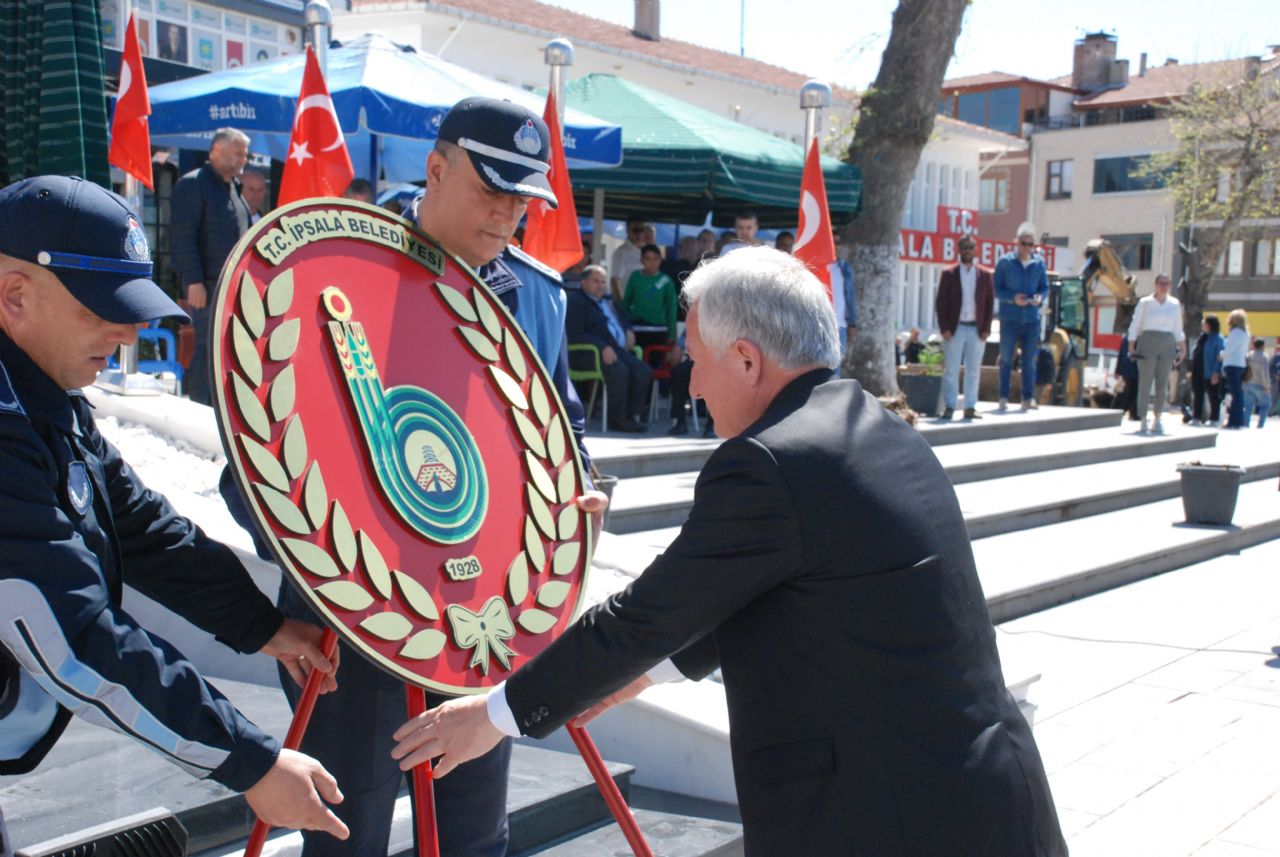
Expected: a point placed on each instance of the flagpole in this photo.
(558, 53)
(814, 96)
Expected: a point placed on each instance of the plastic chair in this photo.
(595, 376)
(661, 372)
(165, 345)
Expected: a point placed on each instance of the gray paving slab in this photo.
(668, 835)
(1159, 709)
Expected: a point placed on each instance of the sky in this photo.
(840, 41)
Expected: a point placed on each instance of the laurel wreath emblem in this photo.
(550, 524)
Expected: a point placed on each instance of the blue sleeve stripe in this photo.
(36, 640)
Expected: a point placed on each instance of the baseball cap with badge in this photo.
(91, 240)
(509, 147)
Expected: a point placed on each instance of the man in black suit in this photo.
(825, 568)
(594, 319)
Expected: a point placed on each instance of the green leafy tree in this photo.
(1222, 172)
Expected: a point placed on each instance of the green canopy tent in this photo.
(53, 104)
(680, 162)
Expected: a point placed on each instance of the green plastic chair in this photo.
(595, 376)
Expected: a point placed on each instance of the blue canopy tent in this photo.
(389, 98)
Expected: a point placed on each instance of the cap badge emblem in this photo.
(135, 243)
(527, 139)
(79, 488)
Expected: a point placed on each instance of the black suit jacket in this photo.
(825, 567)
(585, 322)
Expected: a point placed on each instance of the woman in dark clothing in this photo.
(1205, 375)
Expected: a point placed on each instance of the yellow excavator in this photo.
(1067, 322)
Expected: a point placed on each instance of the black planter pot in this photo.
(923, 392)
(1209, 492)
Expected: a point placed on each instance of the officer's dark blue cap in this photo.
(509, 146)
(91, 240)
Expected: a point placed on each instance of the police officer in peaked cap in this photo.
(76, 524)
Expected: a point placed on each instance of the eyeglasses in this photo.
(635, 230)
(1027, 243)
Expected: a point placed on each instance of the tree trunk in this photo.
(894, 123)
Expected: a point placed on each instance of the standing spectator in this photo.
(650, 299)
(1274, 374)
(680, 267)
(253, 187)
(593, 319)
(1206, 376)
(1257, 391)
(360, 190)
(911, 353)
(1155, 335)
(208, 216)
(1234, 357)
(1022, 285)
(965, 305)
(745, 227)
(572, 278)
(707, 246)
(627, 257)
(844, 295)
(785, 242)
(1127, 369)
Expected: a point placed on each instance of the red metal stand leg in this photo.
(609, 791)
(424, 800)
(297, 728)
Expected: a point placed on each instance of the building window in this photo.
(1004, 110)
(1116, 175)
(1059, 180)
(993, 195)
(972, 107)
(1235, 258)
(1262, 258)
(1275, 258)
(1134, 249)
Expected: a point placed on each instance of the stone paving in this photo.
(1159, 710)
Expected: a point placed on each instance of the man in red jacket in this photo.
(966, 295)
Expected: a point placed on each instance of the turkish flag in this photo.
(551, 234)
(130, 137)
(815, 246)
(318, 163)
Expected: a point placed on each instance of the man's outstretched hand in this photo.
(293, 795)
(297, 646)
(455, 732)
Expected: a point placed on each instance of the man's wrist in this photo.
(500, 714)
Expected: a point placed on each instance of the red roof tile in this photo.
(583, 30)
(996, 78)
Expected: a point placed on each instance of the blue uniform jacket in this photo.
(76, 524)
(1012, 278)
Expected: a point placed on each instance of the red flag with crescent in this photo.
(130, 136)
(318, 163)
(815, 246)
(551, 234)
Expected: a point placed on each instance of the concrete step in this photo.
(655, 502)
(1012, 503)
(1031, 570)
(668, 835)
(629, 456)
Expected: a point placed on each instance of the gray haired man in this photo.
(825, 562)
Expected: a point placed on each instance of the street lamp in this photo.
(814, 96)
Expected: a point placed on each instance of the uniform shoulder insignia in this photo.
(9, 403)
(516, 254)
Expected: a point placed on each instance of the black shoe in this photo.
(972, 414)
(680, 427)
(948, 414)
(629, 426)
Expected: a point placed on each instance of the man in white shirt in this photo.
(1155, 335)
(627, 257)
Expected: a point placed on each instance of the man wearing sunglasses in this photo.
(627, 258)
(1022, 287)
